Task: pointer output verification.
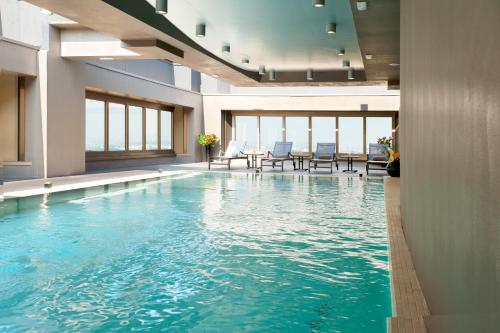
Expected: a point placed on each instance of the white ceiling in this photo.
(286, 35)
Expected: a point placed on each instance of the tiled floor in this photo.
(409, 305)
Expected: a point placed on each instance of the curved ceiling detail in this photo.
(288, 36)
(285, 35)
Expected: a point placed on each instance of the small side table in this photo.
(253, 158)
(300, 158)
(350, 164)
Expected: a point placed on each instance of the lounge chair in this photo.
(377, 157)
(281, 153)
(234, 151)
(325, 154)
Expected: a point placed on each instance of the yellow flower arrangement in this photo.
(393, 156)
(208, 140)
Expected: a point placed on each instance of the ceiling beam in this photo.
(378, 36)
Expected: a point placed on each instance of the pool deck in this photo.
(409, 305)
(25, 188)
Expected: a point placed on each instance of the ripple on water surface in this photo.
(229, 253)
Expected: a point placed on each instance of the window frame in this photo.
(127, 153)
(337, 114)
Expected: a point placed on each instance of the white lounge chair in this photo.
(234, 151)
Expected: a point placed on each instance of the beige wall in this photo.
(65, 113)
(450, 135)
(8, 117)
(214, 104)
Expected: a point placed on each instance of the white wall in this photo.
(158, 70)
(21, 21)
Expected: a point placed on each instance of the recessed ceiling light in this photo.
(262, 69)
(331, 28)
(272, 75)
(215, 76)
(341, 52)
(200, 30)
(105, 58)
(245, 61)
(310, 74)
(318, 3)
(362, 5)
(346, 63)
(226, 48)
(369, 56)
(350, 74)
(161, 6)
(394, 65)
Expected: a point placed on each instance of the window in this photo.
(132, 126)
(351, 135)
(377, 127)
(135, 128)
(323, 130)
(246, 131)
(270, 132)
(297, 131)
(116, 127)
(94, 119)
(151, 129)
(166, 129)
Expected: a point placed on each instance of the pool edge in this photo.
(409, 306)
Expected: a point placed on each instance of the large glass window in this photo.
(351, 135)
(135, 128)
(297, 131)
(323, 130)
(166, 130)
(246, 131)
(377, 127)
(116, 127)
(151, 129)
(94, 129)
(270, 132)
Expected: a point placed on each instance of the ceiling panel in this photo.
(286, 35)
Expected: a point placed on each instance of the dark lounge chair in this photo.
(281, 153)
(233, 152)
(325, 155)
(377, 157)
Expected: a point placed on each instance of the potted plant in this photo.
(208, 141)
(384, 141)
(393, 164)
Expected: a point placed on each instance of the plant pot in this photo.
(208, 150)
(393, 169)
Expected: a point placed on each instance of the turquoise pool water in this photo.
(198, 253)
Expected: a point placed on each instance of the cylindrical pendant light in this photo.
(272, 75)
(341, 52)
(318, 3)
(331, 28)
(200, 30)
(226, 48)
(346, 63)
(310, 74)
(350, 74)
(161, 6)
(262, 69)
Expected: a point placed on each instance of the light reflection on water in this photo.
(204, 253)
